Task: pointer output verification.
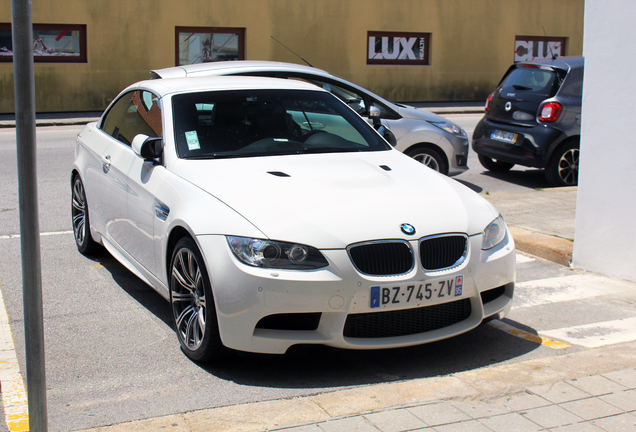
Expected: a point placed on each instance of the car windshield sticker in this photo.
(193, 140)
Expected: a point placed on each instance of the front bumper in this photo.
(531, 148)
(269, 310)
(458, 162)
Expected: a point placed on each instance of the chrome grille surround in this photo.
(443, 251)
(382, 257)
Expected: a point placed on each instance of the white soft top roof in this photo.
(228, 67)
(164, 87)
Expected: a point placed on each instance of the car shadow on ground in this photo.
(530, 178)
(134, 287)
(320, 367)
(324, 367)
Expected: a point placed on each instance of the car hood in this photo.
(332, 200)
(419, 114)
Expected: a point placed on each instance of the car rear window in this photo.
(573, 85)
(535, 80)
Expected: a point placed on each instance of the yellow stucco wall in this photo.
(472, 42)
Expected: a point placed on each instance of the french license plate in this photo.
(426, 292)
(507, 137)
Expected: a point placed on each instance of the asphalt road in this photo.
(518, 179)
(112, 355)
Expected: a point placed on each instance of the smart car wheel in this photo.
(428, 157)
(493, 165)
(79, 213)
(193, 305)
(563, 168)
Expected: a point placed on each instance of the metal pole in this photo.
(23, 77)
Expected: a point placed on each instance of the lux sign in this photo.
(397, 48)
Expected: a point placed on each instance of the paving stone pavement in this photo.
(546, 211)
(604, 402)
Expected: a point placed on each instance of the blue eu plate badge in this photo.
(375, 296)
(459, 284)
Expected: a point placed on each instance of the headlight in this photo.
(449, 127)
(494, 234)
(275, 254)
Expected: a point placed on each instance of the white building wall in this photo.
(605, 232)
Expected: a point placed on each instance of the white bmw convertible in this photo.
(270, 214)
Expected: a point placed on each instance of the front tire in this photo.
(429, 157)
(493, 165)
(563, 168)
(192, 304)
(81, 224)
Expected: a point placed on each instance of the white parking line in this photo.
(12, 236)
(597, 334)
(524, 259)
(14, 395)
(567, 288)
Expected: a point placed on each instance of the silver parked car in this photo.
(436, 142)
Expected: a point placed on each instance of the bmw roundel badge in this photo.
(407, 229)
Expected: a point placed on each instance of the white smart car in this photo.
(271, 214)
(428, 138)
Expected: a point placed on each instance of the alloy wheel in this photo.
(569, 167)
(79, 211)
(188, 299)
(427, 160)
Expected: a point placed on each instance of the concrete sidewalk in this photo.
(541, 221)
(554, 393)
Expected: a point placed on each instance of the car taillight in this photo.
(549, 112)
(487, 107)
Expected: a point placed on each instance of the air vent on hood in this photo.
(278, 174)
(385, 168)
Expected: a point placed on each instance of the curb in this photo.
(456, 110)
(548, 247)
(473, 385)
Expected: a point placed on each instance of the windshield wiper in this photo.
(521, 87)
(218, 156)
(328, 150)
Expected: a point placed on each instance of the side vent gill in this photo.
(278, 174)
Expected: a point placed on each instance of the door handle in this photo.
(106, 162)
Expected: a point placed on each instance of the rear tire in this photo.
(193, 309)
(429, 157)
(494, 166)
(563, 168)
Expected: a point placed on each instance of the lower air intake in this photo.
(406, 322)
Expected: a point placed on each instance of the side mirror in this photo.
(374, 114)
(148, 148)
(387, 135)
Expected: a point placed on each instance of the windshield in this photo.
(246, 123)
